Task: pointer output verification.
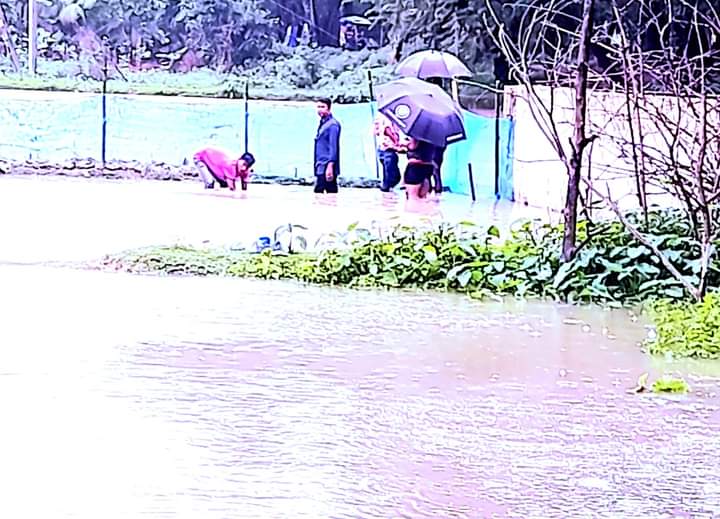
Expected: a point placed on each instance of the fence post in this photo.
(472, 182)
(103, 149)
(498, 101)
(32, 36)
(371, 89)
(247, 115)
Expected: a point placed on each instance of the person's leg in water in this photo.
(437, 170)
(417, 180)
(206, 176)
(391, 170)
(322, 184)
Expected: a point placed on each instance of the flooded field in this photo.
(132, 397)
(62, 219)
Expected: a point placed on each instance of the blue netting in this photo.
(55, 127)
(479, 150)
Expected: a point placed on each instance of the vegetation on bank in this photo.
(611, 269)
(687, 330)
(298, 74)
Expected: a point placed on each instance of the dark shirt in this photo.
(423, 152)
(327, 145)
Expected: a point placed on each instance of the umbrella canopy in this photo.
(422, 111)
(432, 63)
(411, 85)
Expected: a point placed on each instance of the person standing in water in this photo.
(419, 168)
(327, 149)
(388, 138)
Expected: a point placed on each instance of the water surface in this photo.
(128, 396)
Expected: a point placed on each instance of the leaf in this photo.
(465, 277)
(430, 253)
(528, 262)
(389, 278)
(636, 252)
(674, 292)
(493, 231)
(455, 271)
(565, 270)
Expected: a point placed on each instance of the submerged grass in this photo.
(670, 385)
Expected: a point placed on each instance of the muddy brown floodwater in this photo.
(126, 396)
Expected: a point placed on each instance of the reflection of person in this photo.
(419, 168)
(327, 149)
(215, 165)
(388, 139)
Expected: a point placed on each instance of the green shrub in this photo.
(687, 329)
(611, 269)
(296, 74)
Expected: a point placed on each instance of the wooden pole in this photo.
(32, 36)
(472, 182)
(455, 90)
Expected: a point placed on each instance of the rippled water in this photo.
(127, 396)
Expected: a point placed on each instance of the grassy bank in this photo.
(611, 270)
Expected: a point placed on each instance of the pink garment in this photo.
(388, 134)
(220, 164)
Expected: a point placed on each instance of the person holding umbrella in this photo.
(429, 116)
(434, 67)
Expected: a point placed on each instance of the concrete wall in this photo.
(540, 177)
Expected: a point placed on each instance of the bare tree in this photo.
(654, 109)
(537, 54)
(670, 121)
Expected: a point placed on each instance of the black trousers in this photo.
(391, 170)
(323, 185)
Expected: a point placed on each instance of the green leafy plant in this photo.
(611, 269)
(686, 329)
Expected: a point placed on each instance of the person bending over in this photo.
(216, 166)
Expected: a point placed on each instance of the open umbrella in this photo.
(411, 85)
(422, 111)
(432, 63)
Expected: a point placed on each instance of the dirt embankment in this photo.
(135, 170)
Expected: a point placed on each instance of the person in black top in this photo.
(419, 168)
(327, 150)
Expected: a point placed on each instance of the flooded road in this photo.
(132, 397)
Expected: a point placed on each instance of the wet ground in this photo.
(63, 219)
(137, 396)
